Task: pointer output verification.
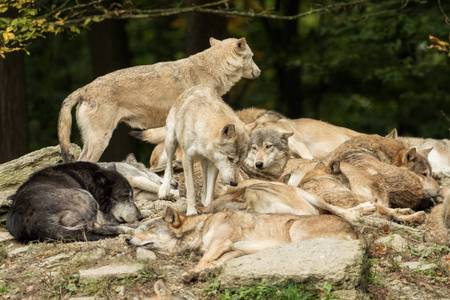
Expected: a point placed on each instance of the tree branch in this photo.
(205, 8)
(447, 19)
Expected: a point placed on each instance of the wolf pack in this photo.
(265, 179)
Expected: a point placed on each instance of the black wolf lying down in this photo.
(76, 201)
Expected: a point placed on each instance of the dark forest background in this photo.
(366, 67)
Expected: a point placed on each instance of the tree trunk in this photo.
(13, 107)
(200, 27)
(109, 51)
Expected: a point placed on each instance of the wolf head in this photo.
(230, 150)
(332, 170)
(118, 196)
(161, 234)
(415, 161)
(267, 146)
(245, 56)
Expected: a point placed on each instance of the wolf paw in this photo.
(421, 216)
(365, 209)
(164, 192)
(191, 211)
(404, 211)
(126, 229)
(189, 276)
(175, 194)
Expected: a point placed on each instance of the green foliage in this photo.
(288, 291)
(25, 21)
(374, 275)
(4, 289)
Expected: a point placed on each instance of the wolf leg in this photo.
(188, 167)
(399, 214)
(171, 145)
(318, 202)
(364, 209)
(216, 249)
(211, 176)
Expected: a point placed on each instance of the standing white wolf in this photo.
(142, 96)
(205, 128)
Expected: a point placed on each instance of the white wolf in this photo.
(205, 128)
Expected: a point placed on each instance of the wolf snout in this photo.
(259, 164)
(128, 240)
(233, 183)
(256, 74)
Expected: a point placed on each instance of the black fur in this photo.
(73, 201)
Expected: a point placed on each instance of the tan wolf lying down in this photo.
(205, 128)
(226, 235)
(331, 184)
(387, 151)
(273, 197)
(142, 96)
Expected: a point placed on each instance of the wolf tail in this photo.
(65, 123)
(152, 135)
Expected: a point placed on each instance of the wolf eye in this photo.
(230, 159)
(254, 147)
(268, 146)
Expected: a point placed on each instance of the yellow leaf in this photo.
(7, 36)
(438, 41)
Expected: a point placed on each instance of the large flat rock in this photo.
(342, 263)
(114, 271)
(15, 172)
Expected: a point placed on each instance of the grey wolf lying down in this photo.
(76, 201)
(226, 235)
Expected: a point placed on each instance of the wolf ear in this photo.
(161, 289)
(111, 167)
(131, 158)
(334, 167)
(228, 131)
(241, 45)
(172, 217)
(393, 135)
(410, 155)
(426, 151)
(100, 178)
(286, 135)
(319, 165)
(213, 41)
